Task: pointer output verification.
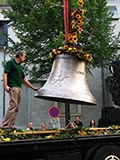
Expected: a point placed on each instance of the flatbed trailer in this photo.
(90, 147)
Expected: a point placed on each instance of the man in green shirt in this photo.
(13, 77)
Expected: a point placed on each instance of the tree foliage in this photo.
(39, 26)
(36, 23)
(98, 35)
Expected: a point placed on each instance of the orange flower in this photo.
(77, 16)
(69, 35)
(79, 22)
(70, 38)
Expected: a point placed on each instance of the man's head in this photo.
(20, 55)
(30, 125)
(43, 126)
(77, 118)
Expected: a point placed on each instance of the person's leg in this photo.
(10, 116)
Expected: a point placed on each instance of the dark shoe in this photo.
(8, 129)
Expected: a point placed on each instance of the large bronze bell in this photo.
(67, 82)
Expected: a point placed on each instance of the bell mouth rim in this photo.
(66, 100)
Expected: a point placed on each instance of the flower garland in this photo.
(21, 134)
(71, 46)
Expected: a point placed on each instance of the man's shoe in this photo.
(6, 128)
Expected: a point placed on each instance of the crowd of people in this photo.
(30, 127)
(79, 123)
(76, 123)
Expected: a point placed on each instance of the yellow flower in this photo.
(70, 38)
(73, 23)
(74, 49)
(60, 47)
(58, 51)
(78, 27)
(82, 23)
(72, 14)
(75, 34)
(7, 139)
(14, 131)
(80, 2)
(75, 38)
(88, 57)
(69, 49)
(82, 11)
(51, 55)
(1, 131)
(65, 46)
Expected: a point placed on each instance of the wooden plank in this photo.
(37, 132)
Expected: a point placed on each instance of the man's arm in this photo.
(27, 82)
(7, 88)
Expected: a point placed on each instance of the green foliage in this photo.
(21, 134)
(3, 2)
(39, 26)
(36, 24)
(98, 33)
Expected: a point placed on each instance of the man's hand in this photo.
(36, 88)
(7, 89)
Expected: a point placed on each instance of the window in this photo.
(75, 109)
(113, 9)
